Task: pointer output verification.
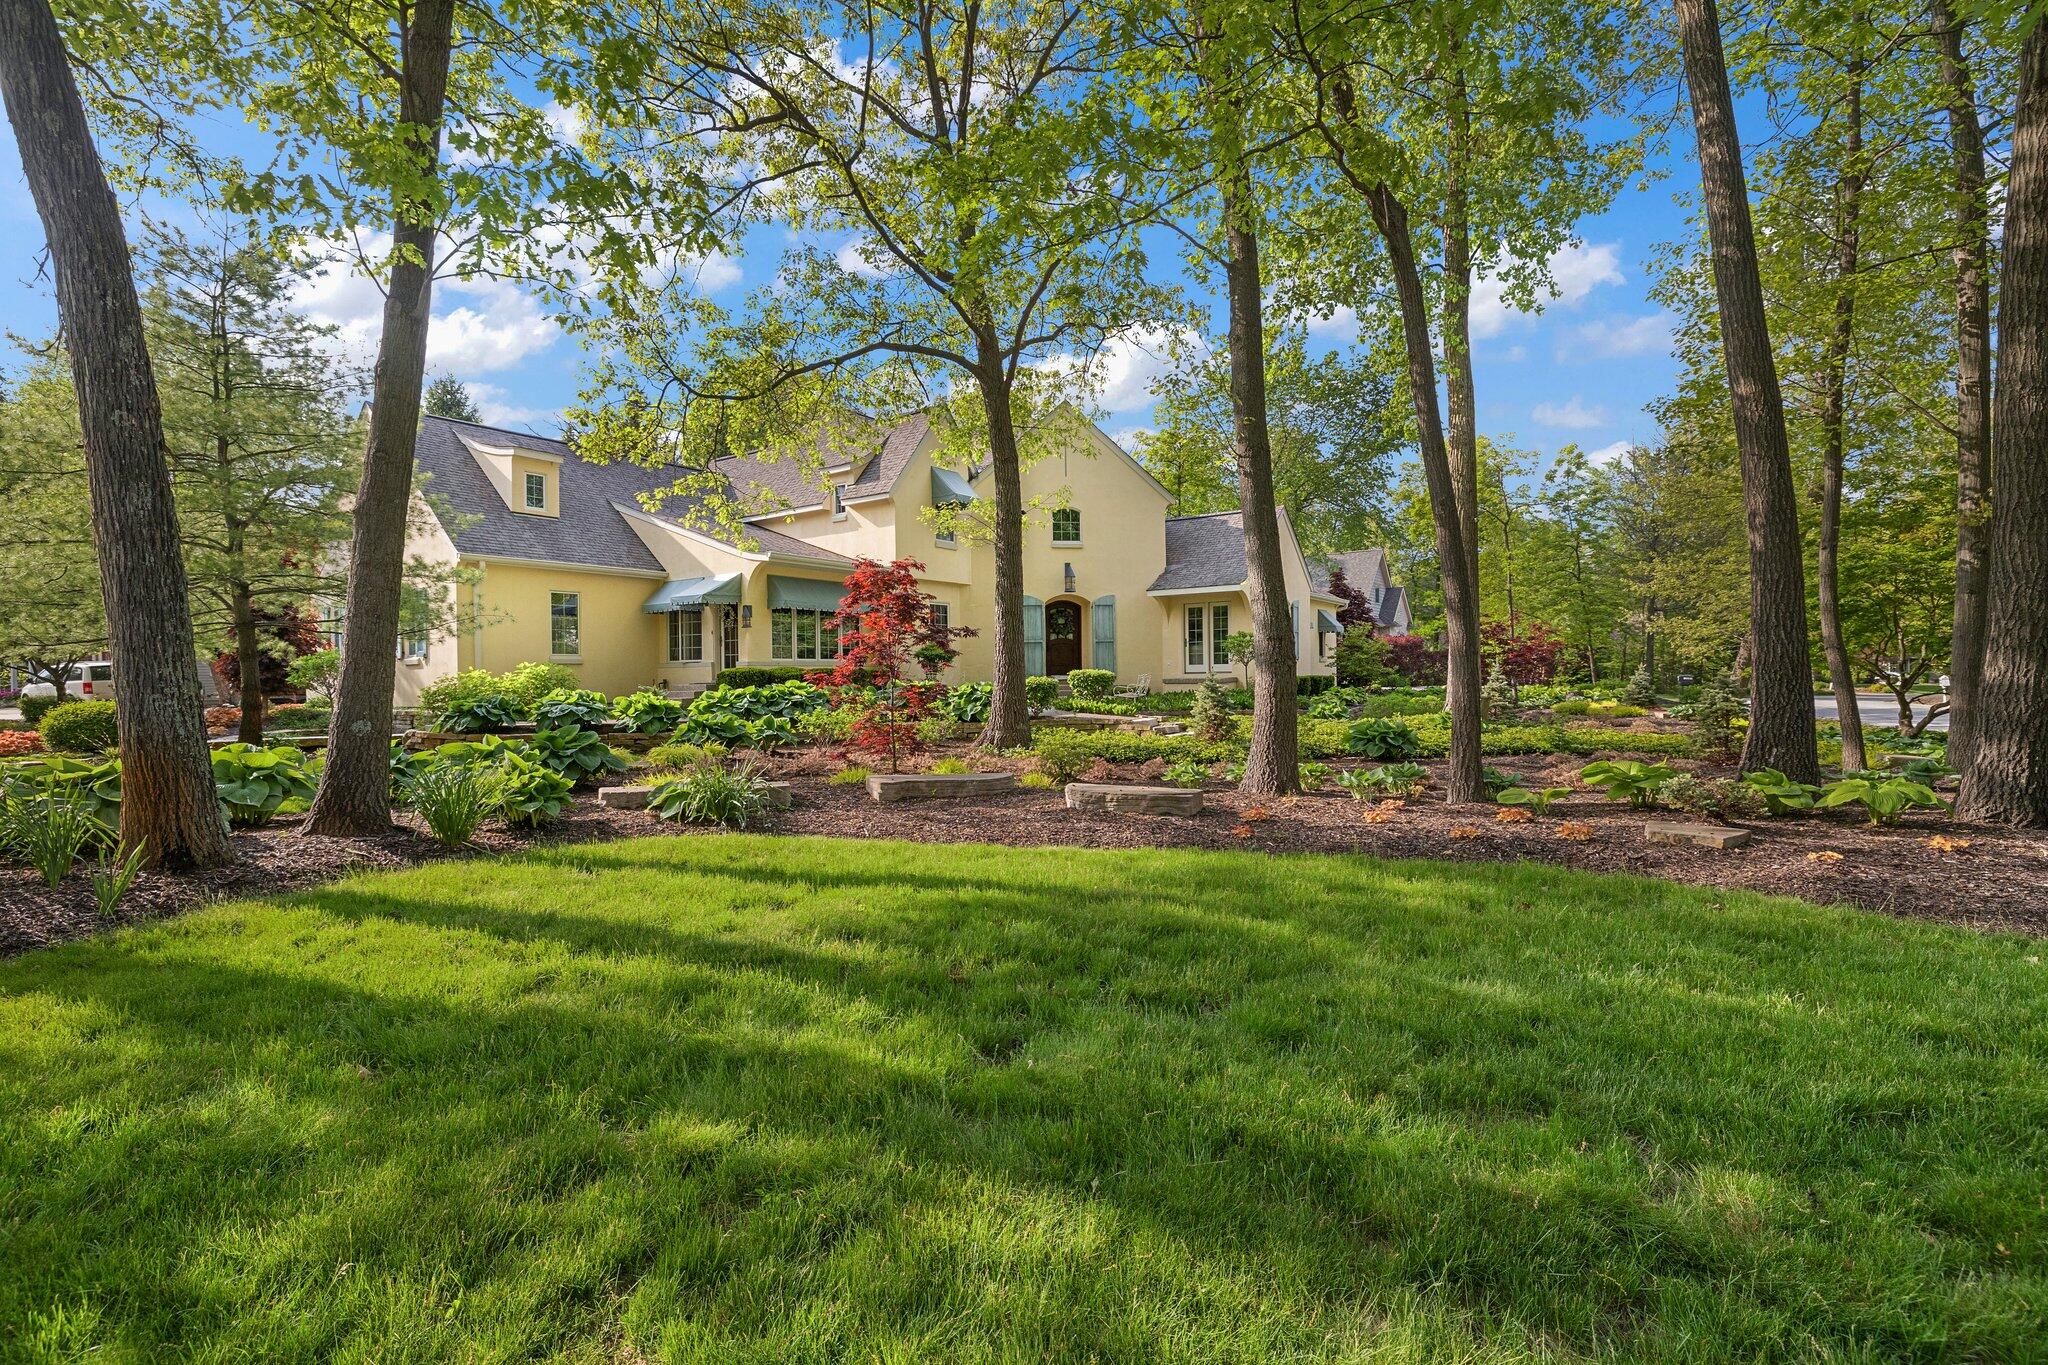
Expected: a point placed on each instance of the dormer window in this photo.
(1066, 526)
(536, 492)
(838, 502)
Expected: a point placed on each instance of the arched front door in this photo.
(1062, 638)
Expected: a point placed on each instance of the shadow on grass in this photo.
(790, 1097)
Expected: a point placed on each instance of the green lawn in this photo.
(771, 1099)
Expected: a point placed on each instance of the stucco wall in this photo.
(621, 646)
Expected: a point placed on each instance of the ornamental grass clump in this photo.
(710, 793)
(455, 798)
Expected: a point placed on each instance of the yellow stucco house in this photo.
(565, 563)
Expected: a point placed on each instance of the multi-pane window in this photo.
(1206, 627)
(1066, 526)
(537, 492)
(565, 633)
(838, 501)
(686, 637)
(415, 609)
(802, 635)
(942, 615)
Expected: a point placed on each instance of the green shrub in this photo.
(1186, 772)
(1691, 794)
(711, 794)
(81, 727)
(34, 708)
(1361, 660)
(677, 757)
(1641, 691)
(529, 682)
(1211, 714)
(833, 725)
(317, 669)
(468, 685)
(967, 704)
(1496, 694)
(1380, 737)
(480, 715)
(454, 799)
(850, 776)
(1063, 755)
(1035, 781)
(1041, 693)
(255, 783)
(648, 713)
(760, 677)
(295, 716)
(1717, 717)
(1091, 684)
(572, 706)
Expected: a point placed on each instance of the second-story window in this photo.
(1066, 526)
(536, 492)
(838, 501)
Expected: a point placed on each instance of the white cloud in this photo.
(1341, 324)
(854, 258)
(496, 407)
(1575, 271)
(1572, 414)
(1131, 438)
(1618, 338)
(1610, 452)
(1122, 372)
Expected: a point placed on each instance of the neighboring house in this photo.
(567, 564)
(1369, 572)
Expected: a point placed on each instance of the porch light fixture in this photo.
(747, 616)
(1070, 576)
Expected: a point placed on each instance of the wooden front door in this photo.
(1062, 638)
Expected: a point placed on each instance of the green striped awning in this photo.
(949, 489)
(680, 594)
(1328, 623)
(811, 593)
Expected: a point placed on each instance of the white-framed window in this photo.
(537, 492)
(686, 636)
(412, 646)
(1066, 526)
(838, 502)
(565, 625)
(945, 538)
(801, 635)
(1202, 637)
(942, 615)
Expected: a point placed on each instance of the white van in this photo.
(93, 681)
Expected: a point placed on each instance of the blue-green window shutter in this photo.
(1294, 627)
(1102, 612)
(1034, 638)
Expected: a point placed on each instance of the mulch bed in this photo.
(1998, 880)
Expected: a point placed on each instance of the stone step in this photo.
(635, 797)
(1705, 836)
(1125, 799)
(890, 788)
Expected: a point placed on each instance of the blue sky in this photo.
(1578, 371)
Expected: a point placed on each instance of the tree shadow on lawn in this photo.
(724, 1092)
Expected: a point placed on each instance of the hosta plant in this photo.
(1381, 738)
(1781, 795)
(96, 785)
(572, 706)
(530, 793)
(578, 754)
(1628, 779)
(1186, 772)
(648, 713)
(1537, 799)
(255, 783)
(1886, 799)
(479, 715)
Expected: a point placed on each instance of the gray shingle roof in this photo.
(787, 485)
(1203, 552)
(590, 529)
(1361, 569)
(1390, 605)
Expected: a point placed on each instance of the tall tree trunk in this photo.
(168, 805)
(1781, 731)
(1973, 384)
(1834, 420)
(2007, 780)
(1009, 722)
(354, 796)
(1273, 767)
(1463, 782)
(1460, 401)
(249, 662)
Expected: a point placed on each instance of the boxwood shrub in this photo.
(761, 677)
(81, 727)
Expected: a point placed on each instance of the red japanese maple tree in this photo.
(1530, 655)
(888, 632)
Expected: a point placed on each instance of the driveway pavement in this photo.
(1876, 709)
